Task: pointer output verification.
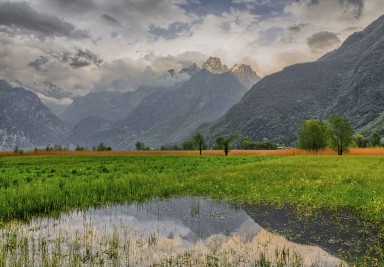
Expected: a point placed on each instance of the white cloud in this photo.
(132, 56)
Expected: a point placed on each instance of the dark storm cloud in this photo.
(322, 40)
(82, 58)
(37, 63)
(263, 8)
(357, 4)
(21, 16)
(354, 6)
(111, 20)
(73, 6)
(206, 7)
(309, 2)
(297, 27)
(171, 32)
(294, 28)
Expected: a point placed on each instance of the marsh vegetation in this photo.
(347, 189)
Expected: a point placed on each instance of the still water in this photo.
(180, 231)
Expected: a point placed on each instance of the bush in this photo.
(250, 145)
(80, 148)
(102, 147)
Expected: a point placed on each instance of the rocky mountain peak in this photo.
(191, 70)
(214, 65)
(172, 72)
(245, 74)
(45, 88)
(242, 68)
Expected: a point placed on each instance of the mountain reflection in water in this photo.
(189, 230)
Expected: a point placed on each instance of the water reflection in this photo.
(175, 232)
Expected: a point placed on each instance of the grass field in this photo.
(40, 185)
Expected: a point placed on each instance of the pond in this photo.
(189, 231)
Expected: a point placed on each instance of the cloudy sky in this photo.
(103, 44)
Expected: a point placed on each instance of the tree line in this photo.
(313, 135)
(225, 143)
(336, 133)
(58, 147)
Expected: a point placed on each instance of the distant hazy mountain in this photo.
(25, 121)
(106, 105)
(54, 97)
(46, 88)
(191, 70)
(93, 130)
(99, 104)
(168, 117)
(349, 80)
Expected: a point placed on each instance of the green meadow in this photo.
(48, 185)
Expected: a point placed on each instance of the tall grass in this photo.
(42, 185)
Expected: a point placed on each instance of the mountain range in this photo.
(348, 80)
(165, 116)
(171, 116)
(106, 105)
(54, 97)
(154, 115)
(215, 100)
(25, 121)
(161, 115)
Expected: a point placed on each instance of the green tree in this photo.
(176, 147)
(140, 145)
(188, 145)
(340, 133)
(57, 147)
(225, 142)
(312, 135)
(360, 140)
(375, 140)
(103, 147)
(199, 140)
(247, 144)
(80, 148)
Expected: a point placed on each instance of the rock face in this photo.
(94, 130)
(214, 65)
(25, 121)
(46, 88)
(349, 80)
(106, 105)
(54, 97)
(171, 116)
(246, 75)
